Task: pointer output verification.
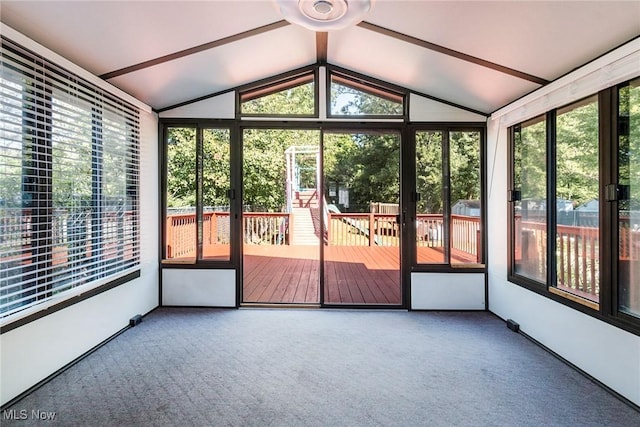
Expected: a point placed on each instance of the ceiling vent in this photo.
(324, 15)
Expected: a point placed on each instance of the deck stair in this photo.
(306, 199)
(304, 228)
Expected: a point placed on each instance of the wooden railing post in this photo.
(169, 236)
(372, 229)
(214, 229)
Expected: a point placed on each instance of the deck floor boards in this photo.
(291, 274)
(353, 274)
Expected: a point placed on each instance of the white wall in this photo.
(422, 109)
(31, 353)
(605, 352)
(447, 291)
(219, 107)
(199, 287)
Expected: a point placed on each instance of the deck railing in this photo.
(73, 237)
(259, 228)
(577, 253)
(346, 229)
(353, 229)
(181, 235)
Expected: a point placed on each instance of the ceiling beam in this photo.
(450, 52)
(194, 50)
(322, 45)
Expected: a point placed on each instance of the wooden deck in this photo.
(353, 274)
(291, 274)
(281, 274)
(362, 275)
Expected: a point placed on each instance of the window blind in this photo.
(69, 166)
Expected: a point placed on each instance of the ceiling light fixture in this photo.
(324, 15)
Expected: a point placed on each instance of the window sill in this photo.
(178, 261)
(65, 299)
(574, 298)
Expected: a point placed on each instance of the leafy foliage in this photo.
(297, 100)
(577, 145)
(366, 164)
(530, 158)
(264, 167)
(181, 167)
(349, 101)
(216, 176)
(629, 144)
(464, 165)
(429, 172)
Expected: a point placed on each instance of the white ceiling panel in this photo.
(425, 71)
(218, 107)
(104, 36)
(542, 38)
(546, 39)
(221, 68)
(428, 110)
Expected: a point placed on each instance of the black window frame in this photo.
(324, 122)
(608, 129)
(368, 85)
(446, 129)
(199, 125)
(41, 79)
(272, 85)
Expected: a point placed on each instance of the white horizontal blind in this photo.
(69, 161)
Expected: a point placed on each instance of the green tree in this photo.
(346, 100)
(181, 167)
(629, 144)
(366, 164)
(530, 161)
(577, 170)
(429, 172)
(264, 166)
(297, 100)
(464, 165)
(216, 164)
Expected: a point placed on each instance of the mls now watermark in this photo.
(23, 414)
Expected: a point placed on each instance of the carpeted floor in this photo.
(270, 367)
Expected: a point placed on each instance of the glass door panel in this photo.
(216, 175)
(464, 170)
(529, 219)
(577, 229)
(281, 216)
(181, 225)
(430, 248)
(629, 205)
(361, 233)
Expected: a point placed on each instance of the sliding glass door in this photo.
(280, 216)
(362, 205)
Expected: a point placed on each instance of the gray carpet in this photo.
(253, 367)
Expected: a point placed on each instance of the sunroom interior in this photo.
(215, 154)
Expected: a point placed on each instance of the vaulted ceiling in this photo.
(477, 54)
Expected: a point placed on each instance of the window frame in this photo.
(44, 81)
(613, 303)
(272, 85)
(325, 123)
(607, 309)
(199, 126)
(368, 85)
(514, 195)
(446, 129)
